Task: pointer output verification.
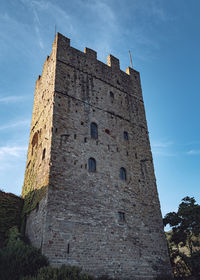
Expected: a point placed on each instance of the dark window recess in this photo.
(125, 135)
(43, 154)
(123, 173)
(94, 130)
(107, 131)
(82, 123)
(92, 164)
(68, 248)
(111, 95)
(85, 139)
(121, 216)
(74, 136)
(37, 207)
(34, 141)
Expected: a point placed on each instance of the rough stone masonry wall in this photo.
(82, 219)
(36, 179)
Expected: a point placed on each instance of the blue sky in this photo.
(163, 37)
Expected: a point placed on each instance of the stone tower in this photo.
(90, 190)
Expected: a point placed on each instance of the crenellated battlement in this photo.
(112, 61)
(87, 62)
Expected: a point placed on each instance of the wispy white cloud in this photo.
(15, 124)
(193, 152)
(162, 148)
(13, 98)
(12, 151)
(161, 144)
(163, 153)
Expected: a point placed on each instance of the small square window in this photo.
(125, 135)
(111, 94)
(121, 216)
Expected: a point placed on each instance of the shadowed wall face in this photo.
(101, 210)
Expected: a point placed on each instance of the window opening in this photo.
(92, 164)
(121, 216)
(94, 130)
(123, 173)
(125, 135)
(43, 154)
(111, 94)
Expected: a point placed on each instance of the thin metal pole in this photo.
(130, 59)
(55, 30)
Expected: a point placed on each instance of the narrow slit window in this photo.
(94, 130)
(125, 135)
(123, 173)
(92, 164)
(121, 216)
(43, 154)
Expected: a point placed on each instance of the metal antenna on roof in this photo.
(130, 59)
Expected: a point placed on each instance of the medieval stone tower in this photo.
(90, 190)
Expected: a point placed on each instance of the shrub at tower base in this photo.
(10, 213)
(21, 261)
(18, 258)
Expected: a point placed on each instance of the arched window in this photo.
(125, 135)
(123, 173)
(92, 164)
(94, 130)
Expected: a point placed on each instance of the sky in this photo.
(164, 39)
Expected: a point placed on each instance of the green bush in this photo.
(10, 213)
(19, 259)
(61, 273)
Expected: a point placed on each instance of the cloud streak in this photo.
(12, 151)
(161, 148)
(15, 124)
(193, 152)
(160, 144)
(13, 98)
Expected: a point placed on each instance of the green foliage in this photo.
(10, 213)
(18, 258)
(61, 273)
(184, 239)
(31, 195)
